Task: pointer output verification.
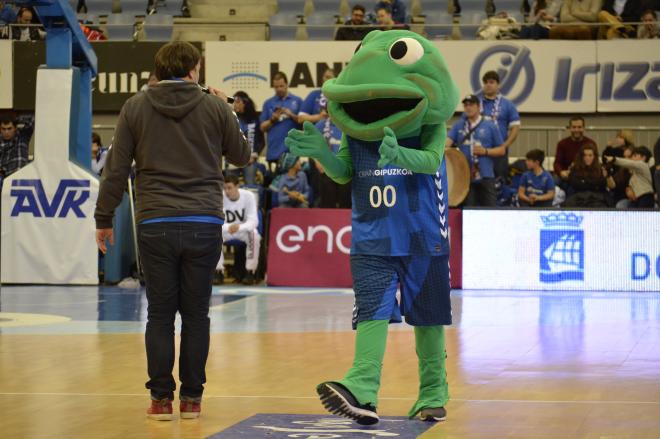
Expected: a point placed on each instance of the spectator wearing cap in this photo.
(479, 140)
(503, 113)
(356, 28)
(293, 189)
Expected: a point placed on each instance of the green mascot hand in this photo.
(389, 148)
(308, 142)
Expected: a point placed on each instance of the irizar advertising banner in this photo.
(538, 76)
(561, 250)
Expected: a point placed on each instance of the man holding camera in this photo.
(278, 116)
(177, 134)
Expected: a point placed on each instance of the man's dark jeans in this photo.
(178, 260)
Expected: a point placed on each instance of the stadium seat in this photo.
(283, 26)
(436, 18)
(134, 7)
(158, 27)
(169, 7)
(99, 7)
(321, 26)
(326, 7)
(88, 18)
(121, 27)
(290, 7)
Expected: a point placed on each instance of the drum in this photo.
(458, 176)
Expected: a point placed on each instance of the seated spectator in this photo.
(397, 9)
(293, 189)
(99, 154)
(385, 21)
(479, 139)
(614, 14)
(575, 17)
(568, 147)
(537, 188)
(588, 180)
(241, 224)
(640, 190)
(545, 13)
(650, 27)
(332, 194)
(7, 13)
(247, 118)
(278, 116)
(348, 31)
(14, 144)
(619, 146)
(25, 32)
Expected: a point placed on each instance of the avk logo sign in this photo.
(30, 198)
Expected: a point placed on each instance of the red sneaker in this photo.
(160, 410)
(190, 409)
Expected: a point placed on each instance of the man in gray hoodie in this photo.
(177, 134)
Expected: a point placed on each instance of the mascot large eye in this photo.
(406, 51)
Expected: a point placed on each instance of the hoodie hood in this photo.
(174, 99)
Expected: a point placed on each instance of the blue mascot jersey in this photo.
(397, 212)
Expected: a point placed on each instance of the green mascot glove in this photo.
(309, 142)
(389, 148)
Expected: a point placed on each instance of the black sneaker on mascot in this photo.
(338, 400)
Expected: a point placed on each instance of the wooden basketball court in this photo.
(520, 365)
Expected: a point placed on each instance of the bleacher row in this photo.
(291, 19)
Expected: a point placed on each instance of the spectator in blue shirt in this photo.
(480, 141)
(99, 154)
(278, 116)
(293, 189)
(537, 187)
(7, 13)
(503, 112)
(397, 7)
(313, 106)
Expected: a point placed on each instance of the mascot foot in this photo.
(433, 415)
(338, 400)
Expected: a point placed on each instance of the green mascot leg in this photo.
(363, 379)
(433, 389)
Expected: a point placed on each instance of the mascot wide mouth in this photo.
(373, 110)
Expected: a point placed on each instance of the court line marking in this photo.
(517, 401)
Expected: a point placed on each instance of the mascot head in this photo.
(395, 79)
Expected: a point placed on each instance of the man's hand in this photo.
(478, 150)
(630, 194)
(289, 113)
(389, 148)
(608, 159)
(564, 174)
(532, 199)
(216, 92)
(101, 236)
(308, 142)
(276, 115)
(253, 158)
(233, 228)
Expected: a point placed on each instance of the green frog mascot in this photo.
(392, 102)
